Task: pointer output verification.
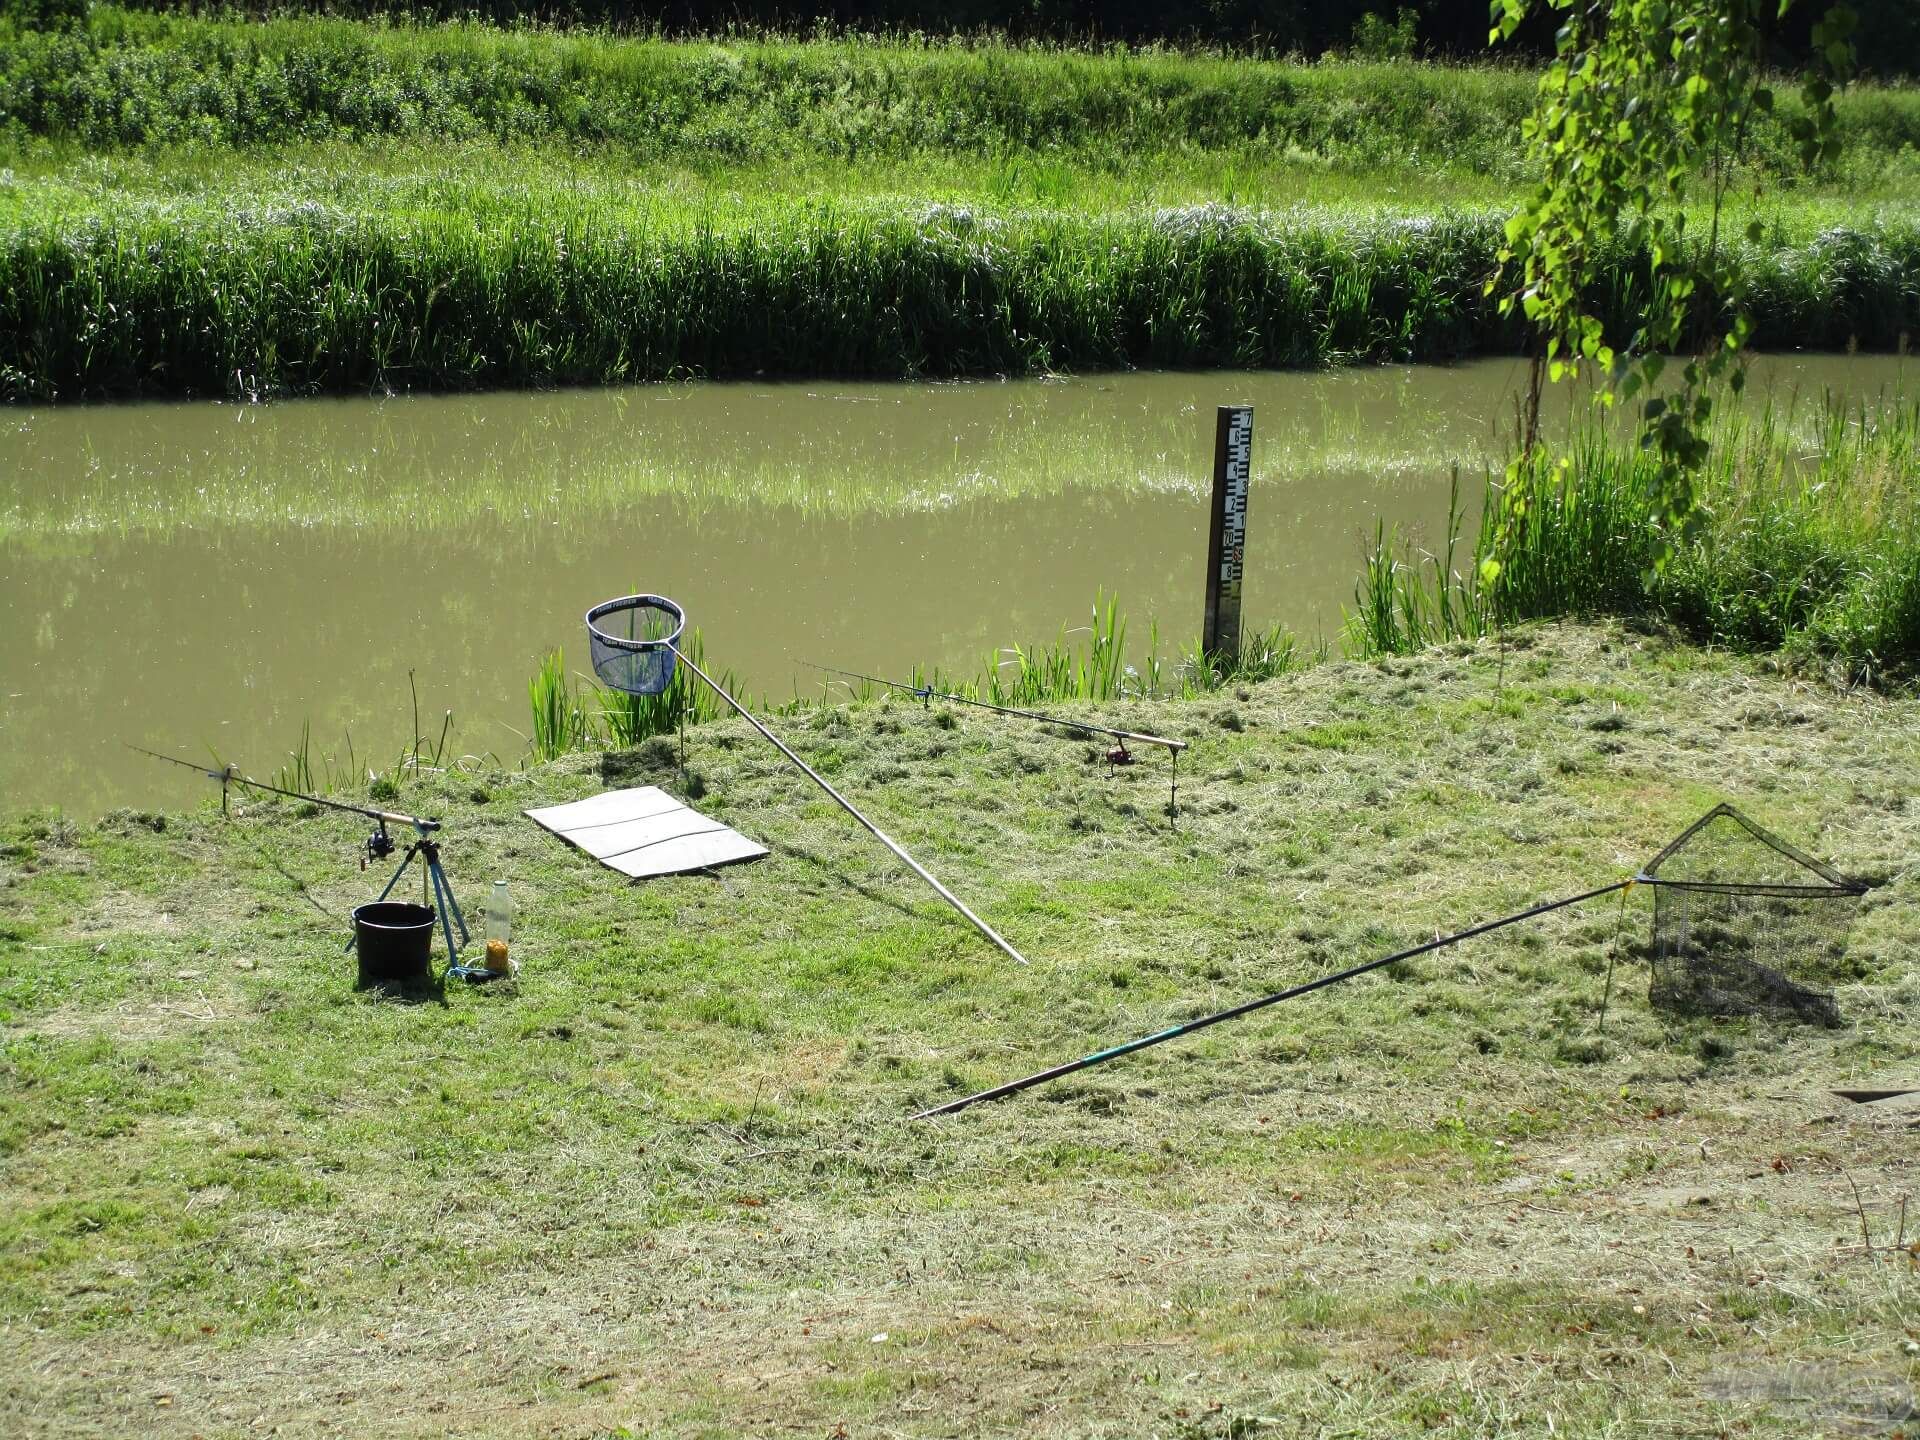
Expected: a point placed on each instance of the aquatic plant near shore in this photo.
(560, 722)
(1816, 555)
(194, 303)
(626, 720)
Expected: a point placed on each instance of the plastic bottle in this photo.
(499, 929)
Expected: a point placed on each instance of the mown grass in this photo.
(662, 1181)
(1813, 551)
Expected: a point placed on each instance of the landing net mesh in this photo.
(631, 639)
(1745, 924)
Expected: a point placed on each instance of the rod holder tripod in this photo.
(437, 889)
(377, 846)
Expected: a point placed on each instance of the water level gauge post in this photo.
(1227, 530)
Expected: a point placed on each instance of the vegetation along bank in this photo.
(205, 207)
(1805, 546)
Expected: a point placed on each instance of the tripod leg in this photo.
(446, 889)
(439, 883)
(405, 861)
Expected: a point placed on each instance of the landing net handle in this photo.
(630, 664)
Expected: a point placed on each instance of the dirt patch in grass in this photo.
(131, 1021)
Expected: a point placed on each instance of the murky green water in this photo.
(182, 576)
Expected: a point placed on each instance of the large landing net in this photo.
(1745, 924)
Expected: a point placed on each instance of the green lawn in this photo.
(666, 1180)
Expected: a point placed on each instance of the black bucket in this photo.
(394, 939)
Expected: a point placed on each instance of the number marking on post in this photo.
(1227, 537)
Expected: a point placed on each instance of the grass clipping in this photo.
(663, 1183)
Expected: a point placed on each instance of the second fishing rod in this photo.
(1119, 755)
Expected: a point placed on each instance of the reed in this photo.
(625, 720)
(1406, 601)
(212, 305)
(1262, 655)
(303, 771)
(1090, 663)
(1084, 664)
(560, 715)
(1810, 547)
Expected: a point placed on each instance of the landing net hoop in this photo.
(632, 640)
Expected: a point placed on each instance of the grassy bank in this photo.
(134, 79)
(198, 207)
(1809, 550)
(314, 300)
(663, 1182)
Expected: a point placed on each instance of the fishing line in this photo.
(1118, 756)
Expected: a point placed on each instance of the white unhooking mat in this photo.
(645, 831)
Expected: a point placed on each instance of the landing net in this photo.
(632, 641)
(1745, 924)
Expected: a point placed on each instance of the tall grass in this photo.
(1086, 666)
(561, 263)
(574, 713)
(626, 720)
(308, 303)
(1091, 663)
(1405, 602)
(314, 770)
(560, 716)
(1816, 554)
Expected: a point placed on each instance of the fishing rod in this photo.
(926, 692)
(644, 662)
(378, 845)
(1117, 756)
(1100, 1057)
(229, 775)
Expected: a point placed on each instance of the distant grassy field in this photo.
(665, 1182)
(133, 79)
(204, 207)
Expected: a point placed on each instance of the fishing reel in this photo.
(378, 846)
